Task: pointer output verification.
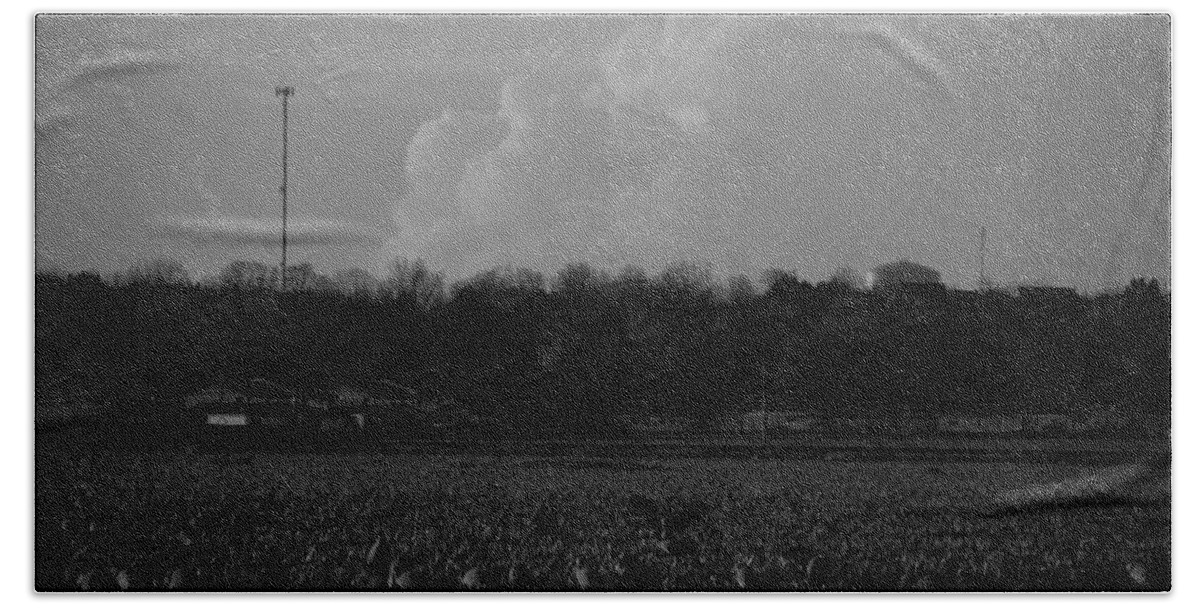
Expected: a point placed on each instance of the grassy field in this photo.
(559, 522)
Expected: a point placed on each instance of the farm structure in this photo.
(1030, 423)
(787, 422)
(257, 404)
(261, 406)
(759, 421)
(383, 404)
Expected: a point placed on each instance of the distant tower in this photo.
(285, 92)
(983, 282)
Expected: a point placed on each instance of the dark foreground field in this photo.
(456, 521)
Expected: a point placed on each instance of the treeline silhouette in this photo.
(585, 350)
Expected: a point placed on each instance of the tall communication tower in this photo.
(285, 92)
(983, 282)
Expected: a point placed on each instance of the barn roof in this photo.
(260, 388)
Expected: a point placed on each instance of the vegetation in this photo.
(321, 522)
(525, 359)
(588, 349)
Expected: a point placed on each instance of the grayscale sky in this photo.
(750, 142)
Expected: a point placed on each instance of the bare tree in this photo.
(580, 278)
(356, 281)
(161, 271)
(246, 274)
(848, 277)
(414, 279)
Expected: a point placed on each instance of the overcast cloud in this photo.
(799, 142)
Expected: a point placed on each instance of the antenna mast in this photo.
(982, 249)
(285, 92)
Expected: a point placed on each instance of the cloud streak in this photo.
(124, 64)
(251, 231)
(801, 142)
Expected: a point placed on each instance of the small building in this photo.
(759, 421)
(385, 395)
(905, 274)
(389, 405)
(211, 396)
(258, 403)
(356, 408)
(882, 425)
(351, 398)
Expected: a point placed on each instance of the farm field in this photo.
(472, 521)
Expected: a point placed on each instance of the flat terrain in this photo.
(865, 517)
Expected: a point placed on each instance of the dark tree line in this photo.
(584, 351)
